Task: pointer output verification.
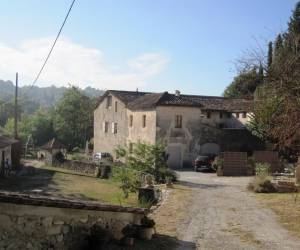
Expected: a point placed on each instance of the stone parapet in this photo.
(39, 222)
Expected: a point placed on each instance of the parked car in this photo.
(102, 156)
(204, 163)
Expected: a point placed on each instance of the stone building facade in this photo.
(188, 124)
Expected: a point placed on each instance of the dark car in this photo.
(204, 163)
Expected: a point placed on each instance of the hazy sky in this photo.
(155, 45)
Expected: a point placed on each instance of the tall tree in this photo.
(277, 114)
(73, 120)
(245, 84)
(39, 126)
(270, 55)
(293, 33)
(278, 46)
(294, 23)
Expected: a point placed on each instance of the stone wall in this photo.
(79, 166)
(31, 222)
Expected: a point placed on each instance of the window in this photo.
(221, 115)
(130, 120)
(228, 115)
(130, 147)
(114, 127)
(244, 115)
(237, 115)
(178, 121)
(144, 121)
(108, 101)
(208, 114)
(116, 106)
(105, 127)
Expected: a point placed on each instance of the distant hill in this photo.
(44, 96)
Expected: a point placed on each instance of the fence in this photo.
(234, 163)
(270, 157)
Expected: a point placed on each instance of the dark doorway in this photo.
(2, 163)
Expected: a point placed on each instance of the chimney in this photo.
(177, 93)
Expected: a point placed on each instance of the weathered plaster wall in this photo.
(199, 134)
(40, 227)
(107, 142)
(137, 132)
(179, 140)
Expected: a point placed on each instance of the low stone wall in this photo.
(36, 222)
(79, 167)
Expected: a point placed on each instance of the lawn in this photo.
(287, 207)
(65, 183)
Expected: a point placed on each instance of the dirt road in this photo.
(222, 214)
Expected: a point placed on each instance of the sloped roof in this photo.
(53, 144)
(145, 100)
(6, 141)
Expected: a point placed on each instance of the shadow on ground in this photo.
(159, 242)
(29, 181)
(200, 185)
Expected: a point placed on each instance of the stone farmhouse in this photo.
(188, 124)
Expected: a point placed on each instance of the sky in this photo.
(152, 45)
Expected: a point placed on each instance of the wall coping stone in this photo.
(52, 201)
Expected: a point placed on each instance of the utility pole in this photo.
(16, 108)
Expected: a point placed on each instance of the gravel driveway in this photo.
(224, 215)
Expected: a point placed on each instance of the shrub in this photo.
(261, 184)
(78, 157)
(262, 169)
(168, 174)
(218, 162)
(129, 178)
(146, 158)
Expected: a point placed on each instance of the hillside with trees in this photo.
(70, 118)
(43, 96)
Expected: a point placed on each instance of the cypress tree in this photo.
(270, 54)
(294, 23)
(278, 46)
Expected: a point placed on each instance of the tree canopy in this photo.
(245, 84)
(277, 107)
(70, 120)
(73, 120)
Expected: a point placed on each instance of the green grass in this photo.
(68, 184)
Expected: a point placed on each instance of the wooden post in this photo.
(297, 173)
(16, 108)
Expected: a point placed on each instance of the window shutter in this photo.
(113, 127)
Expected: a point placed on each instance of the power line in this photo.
(53, 45)
(46, 60)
